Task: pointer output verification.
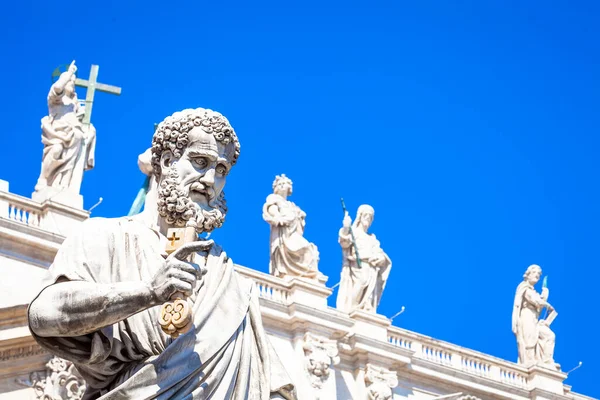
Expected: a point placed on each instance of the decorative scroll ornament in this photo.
(60, 381)
(380, 382)
(320, 354)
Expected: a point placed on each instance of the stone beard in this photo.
(175, 205)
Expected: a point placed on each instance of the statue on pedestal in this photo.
(105, 304)
(291, 254)
(68, 143)
(365, 268)
(535, 339)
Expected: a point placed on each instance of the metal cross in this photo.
(92, 85)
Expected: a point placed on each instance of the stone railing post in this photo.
(456, 360)
(3, 203)
(308, 292)
(495, 373)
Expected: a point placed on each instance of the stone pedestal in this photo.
(60, 218)
(60, 196)
(308, 292)
(372, 325)
(545, 380)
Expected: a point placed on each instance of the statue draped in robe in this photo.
(361, 286)
(226, 351)
(101, 303)
(291, 254)
(535, 339)
(68, 144)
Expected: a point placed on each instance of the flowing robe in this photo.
(226, 354)
(65, 143)
(535, 340)
(291, 253)
(361, 288)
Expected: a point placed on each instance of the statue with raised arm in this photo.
(362, 283)
(535, 339)
(109, 304)
(291, 254)
(68, 143)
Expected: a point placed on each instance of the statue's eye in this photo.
(222, 169)
(200, 162)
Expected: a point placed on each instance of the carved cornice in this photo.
(16, 353)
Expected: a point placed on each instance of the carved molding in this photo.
(60, 381)
(320, 354)
(21, 352)
(380, 382)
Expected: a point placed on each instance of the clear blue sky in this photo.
(471, 128)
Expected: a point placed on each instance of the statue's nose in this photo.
(209, 177)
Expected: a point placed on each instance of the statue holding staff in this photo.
(364, 276)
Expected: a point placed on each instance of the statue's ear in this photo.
(166, 159)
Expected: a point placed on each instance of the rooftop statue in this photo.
(535, 339)
(291, 254)
(365, 268)
(68, 143)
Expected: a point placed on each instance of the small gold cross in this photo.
(174, 236)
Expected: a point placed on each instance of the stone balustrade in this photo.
(447, 355)
(50, 216)
(267, 286)
(468, 361)
(20, 209)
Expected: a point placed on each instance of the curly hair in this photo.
(281, 178)
(173, 133)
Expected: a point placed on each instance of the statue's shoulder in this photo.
(273, 199)
(102, 226)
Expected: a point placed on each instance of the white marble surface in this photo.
(365, 275)
(69, 145)
(291, 255)
(535, 339)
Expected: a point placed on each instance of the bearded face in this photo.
(176, 206)
(191, 187)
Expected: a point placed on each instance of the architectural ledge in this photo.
(49, 216)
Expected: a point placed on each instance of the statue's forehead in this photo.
(201, 140)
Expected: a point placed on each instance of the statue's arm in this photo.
(345, 238)
(274, 216)
(535, 298)
(76, 308)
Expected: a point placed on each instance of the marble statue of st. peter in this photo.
(100, 305)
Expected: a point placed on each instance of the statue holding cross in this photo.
(68, 136)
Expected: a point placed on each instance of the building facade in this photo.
(328, 353)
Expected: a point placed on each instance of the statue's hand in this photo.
(545, 293)
(72, 69)
(176, 274)
(347, 221)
